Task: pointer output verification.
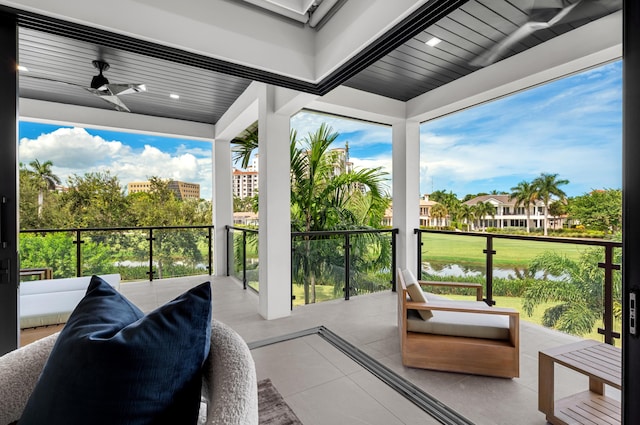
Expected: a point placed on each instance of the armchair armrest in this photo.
(229, 381)
(19, 372)
(461, 308)
(477, 286)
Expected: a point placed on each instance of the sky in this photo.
(571, 127)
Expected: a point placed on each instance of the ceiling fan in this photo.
(546, 14)
(101, 87)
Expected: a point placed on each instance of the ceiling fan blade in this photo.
(111, 99)
(490, 56)
(118, 89)
(545, 14)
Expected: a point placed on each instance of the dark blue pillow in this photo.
(114, 365)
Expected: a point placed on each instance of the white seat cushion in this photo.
(471, 325)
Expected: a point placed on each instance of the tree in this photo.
(96, 199)
(439, 212)
(45, 178)
(324, 200)
(577, 290)
(524, 194)
(546, 186)
(483, 209)
(466, 213)
(245, 145)
(599, 209)
(557, 209)
(449, 200)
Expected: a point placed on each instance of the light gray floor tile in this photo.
(339, 402)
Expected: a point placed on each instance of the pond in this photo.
(442, 269)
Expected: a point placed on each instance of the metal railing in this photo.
(245, 235)
(341, 245)
(147, 242)
(607, 265)
(340, 248)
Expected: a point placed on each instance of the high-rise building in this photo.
(245, 183)
(182, 190)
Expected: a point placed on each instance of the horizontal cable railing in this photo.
(608, 265)
(167, 251)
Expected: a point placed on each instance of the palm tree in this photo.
(246, 145)
(576, 293)
(467, 214)
(546, 186)
(322, 200)
(45, 178)
(439, 212)
(482, 210)
(524, 194)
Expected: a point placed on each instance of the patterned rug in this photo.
(272, 409)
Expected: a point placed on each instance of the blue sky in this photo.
(572, 127)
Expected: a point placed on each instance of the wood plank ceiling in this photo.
(402, 70)
(477, 26)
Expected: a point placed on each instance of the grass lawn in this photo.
(509, 252)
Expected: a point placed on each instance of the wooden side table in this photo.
(602, 363)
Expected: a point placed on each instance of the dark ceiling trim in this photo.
(426, 15)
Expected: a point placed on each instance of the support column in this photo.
(9, 274)
(222, 198)
(631, 207)
(406, 190)
(274, 246)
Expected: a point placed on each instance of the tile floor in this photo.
(323, 386)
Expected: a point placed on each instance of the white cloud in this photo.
(72, 147)
(75, 151)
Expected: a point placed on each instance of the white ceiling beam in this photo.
(82, 116)
(362, 105)
(588, 46)
(241, 114)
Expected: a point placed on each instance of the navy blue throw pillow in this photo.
(113, 365)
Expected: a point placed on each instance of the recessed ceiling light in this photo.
(174, 96)
(433, 41)
(23, 68)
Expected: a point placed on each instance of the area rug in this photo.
(272, 409)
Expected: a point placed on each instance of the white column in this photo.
(222, 203)
(274, 246)
(406, 190)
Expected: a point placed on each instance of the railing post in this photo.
(229, 249)
(347, 268)
(419, 250)
(244, 259)
(150, 239)
(78, 242)
(393, 260)
(607, 318)
(489, 272)
(209, 256)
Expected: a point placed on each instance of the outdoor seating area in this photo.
(369, 322)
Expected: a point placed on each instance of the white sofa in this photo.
(229, 384)
(51, 301)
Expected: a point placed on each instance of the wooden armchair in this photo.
(456, 336)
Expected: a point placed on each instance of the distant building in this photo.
(182, 190)
(244, 183)
(507, 214)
